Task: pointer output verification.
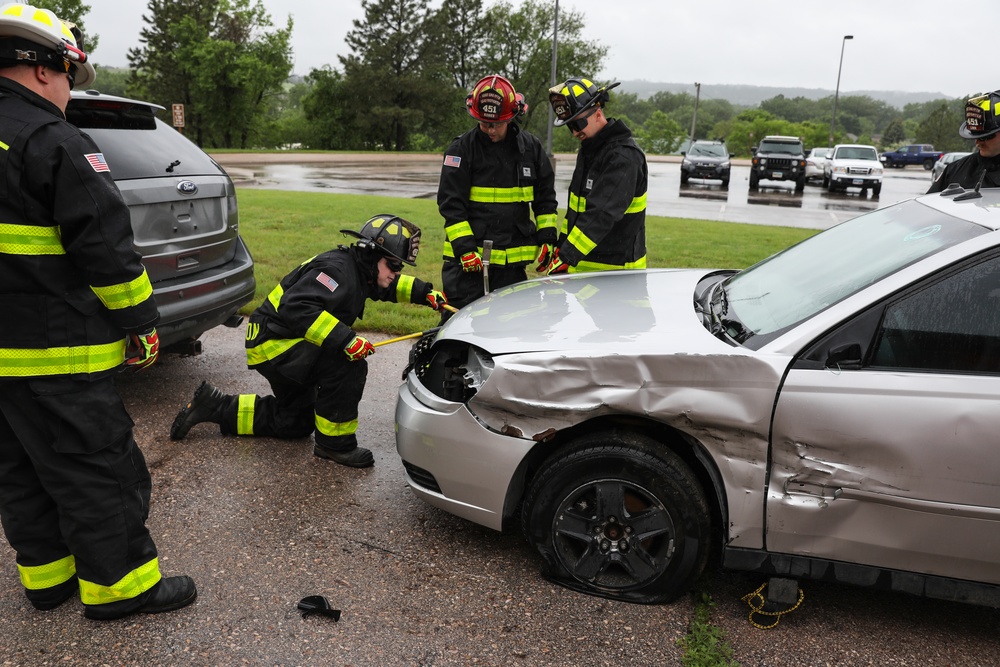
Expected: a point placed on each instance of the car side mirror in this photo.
(732, 155)
(753, 151)
(845, 357)
(684, 153)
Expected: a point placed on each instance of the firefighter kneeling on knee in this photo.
(301, 339)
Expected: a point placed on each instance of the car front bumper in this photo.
(855, 181)
(452, 462)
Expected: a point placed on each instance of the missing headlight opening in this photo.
(451, 370)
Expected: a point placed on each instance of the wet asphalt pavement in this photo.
(260, 523)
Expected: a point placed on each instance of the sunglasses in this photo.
(394, 265)
(580, 124)
(70, 69)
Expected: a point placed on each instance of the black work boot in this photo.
(45, 599)
(168, 594)
(205, 406)
(359, 457)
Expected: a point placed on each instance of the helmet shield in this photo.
(391, 236)
(575, 98)
(981, 116)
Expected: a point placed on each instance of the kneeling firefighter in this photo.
(301, 339)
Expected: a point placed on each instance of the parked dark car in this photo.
(829, 413)
(185, 217)
(707, 159)
(779, 158)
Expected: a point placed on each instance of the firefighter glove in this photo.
(556, 266)
(142, 349)
(546, 253)
(359, 348)
(436, 300)
(472, 262)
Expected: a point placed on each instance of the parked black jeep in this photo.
(779, 159)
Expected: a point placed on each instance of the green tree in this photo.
(461, 35)
(395, 75)
(112, 80)
(940, 128)
(222, 59)
(73, 11)
(660, 134)
(894, 133)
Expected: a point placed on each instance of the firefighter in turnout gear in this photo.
(493, 178)
(301, 339)
(77, 308)
(605, 224)
(983, 125)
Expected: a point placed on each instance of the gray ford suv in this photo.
(184, 215)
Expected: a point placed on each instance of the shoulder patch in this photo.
(327, 282)
(452, 161)
(97, 161)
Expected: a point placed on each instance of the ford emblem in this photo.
(187, 187)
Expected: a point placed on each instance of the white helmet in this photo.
(58, 39)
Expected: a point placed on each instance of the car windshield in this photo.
(709, 150)
(762, 302)
(821, 152)
(857, 153)
(780, 147)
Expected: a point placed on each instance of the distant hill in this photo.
(754, 95)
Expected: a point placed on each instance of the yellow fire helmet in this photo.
(59, 43)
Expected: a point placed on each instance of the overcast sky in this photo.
(932, 46)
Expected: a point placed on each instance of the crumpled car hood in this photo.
(615, 311)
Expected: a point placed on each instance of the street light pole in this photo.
(555, 52)
(836, 94)
(694, 116)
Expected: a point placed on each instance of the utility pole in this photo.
(836, 94)
(694, 116)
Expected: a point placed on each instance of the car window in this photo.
(780, 147)
(799, 282)
(856, 153)
(952, 325)
(135, 143)
(709, 150)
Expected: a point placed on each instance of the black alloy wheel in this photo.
(618, 515)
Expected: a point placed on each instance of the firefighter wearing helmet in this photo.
(605, 224)
(78, 307)
(493, 179)
(302, 340)
(982, 124)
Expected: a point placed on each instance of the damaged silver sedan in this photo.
(832, 412)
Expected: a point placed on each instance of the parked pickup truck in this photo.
(923, 154)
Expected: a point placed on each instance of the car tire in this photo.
(800, 184)
(620, 516)
(684, 178)
(753, 180)
(877, 189)
(826, 181)
(725, 182)
(928, 165)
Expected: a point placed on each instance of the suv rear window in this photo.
(135, 143)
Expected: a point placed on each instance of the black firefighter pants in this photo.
(324, 399)
(74, 489)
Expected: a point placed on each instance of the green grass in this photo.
(284, 228)
(705, 644)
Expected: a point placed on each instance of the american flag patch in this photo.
(98, 162)
(327, 281)
(452, 161)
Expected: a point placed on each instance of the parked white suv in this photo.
(853, 166)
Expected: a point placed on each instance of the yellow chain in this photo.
(759, 609)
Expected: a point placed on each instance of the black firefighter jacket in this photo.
(605, 225)
(967, 172)
(315, 307)
(71, 283)
(485, 193)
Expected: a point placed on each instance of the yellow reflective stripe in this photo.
(584, 266)
(499, 256)
(274, 298)
(581, 241)
(4, 146)
(447, 251)
(333, 429)
(501, 195)
(30, 362)
(270, 349)
(577, 203)
(30, 240)
(459, 230)
(124, 295)
(404, 289)
(37, 577)
(244, 414)
(321, 328)
(135, 583)
(545, 221)
(638, 204)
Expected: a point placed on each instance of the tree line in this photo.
(403, 84)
